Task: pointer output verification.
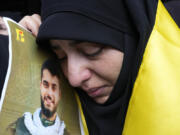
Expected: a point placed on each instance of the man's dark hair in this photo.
(53, 66)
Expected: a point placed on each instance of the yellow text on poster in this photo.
(19, 35)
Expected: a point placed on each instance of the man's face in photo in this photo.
(50, 93)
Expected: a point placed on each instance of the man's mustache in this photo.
(50, 98)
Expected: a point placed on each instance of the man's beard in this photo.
(48, 113)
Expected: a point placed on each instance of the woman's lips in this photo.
(95, 92)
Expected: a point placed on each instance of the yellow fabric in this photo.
(154, 107)
(85, 129)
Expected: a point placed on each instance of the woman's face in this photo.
(92, 67)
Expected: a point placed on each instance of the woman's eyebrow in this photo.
(76, 42)
(71, 42)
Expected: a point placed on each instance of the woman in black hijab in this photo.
(91, 38)
(100, 45)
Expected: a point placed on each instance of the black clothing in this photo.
(27, 7)
(16, 16)
(174, 8)
(17, 9)
(4, 56)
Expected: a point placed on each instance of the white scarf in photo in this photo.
(35, 127)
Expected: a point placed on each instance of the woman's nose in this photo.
(78, 72)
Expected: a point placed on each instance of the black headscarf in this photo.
(173, 6)
(122, 24)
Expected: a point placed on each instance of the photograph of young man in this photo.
(45, 120)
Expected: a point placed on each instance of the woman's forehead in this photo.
(73, 43)
(69, 42)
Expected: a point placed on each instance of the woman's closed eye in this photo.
(64, 49)
(90, 53)
(90, 50)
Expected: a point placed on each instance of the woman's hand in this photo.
(31, 23)
(3, 28)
